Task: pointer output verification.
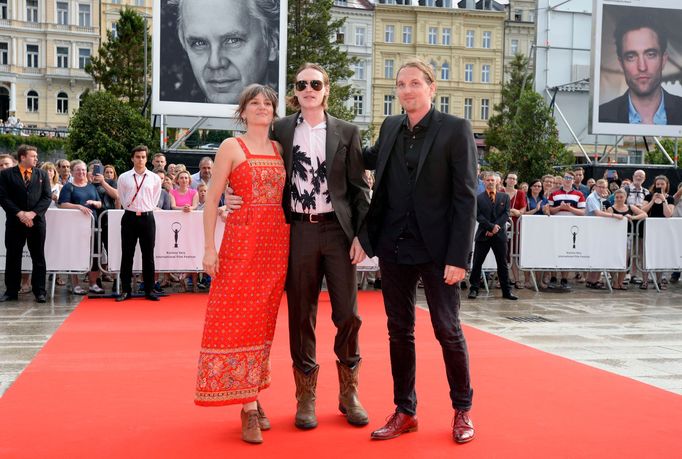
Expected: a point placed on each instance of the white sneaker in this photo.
(78, 290)
(96, 289)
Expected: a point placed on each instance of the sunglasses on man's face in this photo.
(317, 85)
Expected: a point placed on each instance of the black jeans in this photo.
(499, 248)
(16, 235)
(135, 227)
(399, 288)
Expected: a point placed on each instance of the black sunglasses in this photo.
(317, 85)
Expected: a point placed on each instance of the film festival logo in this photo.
(574, 232)
(175, 228)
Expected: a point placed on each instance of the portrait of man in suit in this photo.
(642, 51)
(420, 224)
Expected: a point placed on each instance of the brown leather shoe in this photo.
(250, 428)
(349, 403)
(462, 427)
(263, 420)
(306, 386)
(397, 424)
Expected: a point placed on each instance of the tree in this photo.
(107, 129)
(522, 134)
(119, 65)
(310, 33)
(656, 156)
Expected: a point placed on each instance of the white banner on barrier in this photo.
(662, 244)
(571, 243)
(67, 242)
(179, 241)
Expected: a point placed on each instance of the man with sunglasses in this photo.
(325, 201)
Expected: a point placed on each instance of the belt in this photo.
(314, 218)
(139, 214)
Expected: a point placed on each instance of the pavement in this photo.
(634, 333)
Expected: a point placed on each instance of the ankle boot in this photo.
(250, 428)
(263, 420)
(349, 403)
(306, 385)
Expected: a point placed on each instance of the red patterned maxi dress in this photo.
(234, 363)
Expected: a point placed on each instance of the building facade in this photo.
(519, 32)
(356, 39)
(111, 12)
(464, 47)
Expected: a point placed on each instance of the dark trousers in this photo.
(134, 228)
(16, 235)
(399, 287)
(320, 250)
(481, 249)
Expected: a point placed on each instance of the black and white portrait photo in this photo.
(207, 51)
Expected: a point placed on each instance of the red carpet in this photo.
(117, 380)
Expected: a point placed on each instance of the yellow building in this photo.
(111, 14)
(464, 46)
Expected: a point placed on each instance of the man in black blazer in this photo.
(641, 46)
(25, 196)
(420, 224)
(492, 215)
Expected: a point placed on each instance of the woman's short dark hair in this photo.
(249, 93)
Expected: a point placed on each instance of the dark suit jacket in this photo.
(616, 110)
(444, 191)
(348, 188)
(489, 215)
(15, 196)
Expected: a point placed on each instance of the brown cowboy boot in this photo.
(306, 385)
(250, 428)
(349, 403)
(263, 420)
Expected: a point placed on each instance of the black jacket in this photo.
(616, 110)
(489, 215)
(15, 196)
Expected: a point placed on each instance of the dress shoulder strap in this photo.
(244, 148)
(274, 147)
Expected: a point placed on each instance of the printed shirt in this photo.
(635, 196)
(573, 197)
(309, 185)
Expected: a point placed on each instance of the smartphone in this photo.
(657, 190)
(97, 169)
(611, 173)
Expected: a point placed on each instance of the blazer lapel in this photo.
(332, 142)
(287, 139)
(428, 141)
(387, 148)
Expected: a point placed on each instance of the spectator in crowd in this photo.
(636, 195)
(55, 186)
(558, 181)
(547, 185)
(202, 189)
(595, 206)
(578, 184)
(632, 213)
(159, 161)
(6, 161)
(612, 187)
(492, 215)
(590, 183)
(565, 201)
(64, 168)
(108, 195)
(518, 206)
(110, 172)
(523, 186)
(81, 195)
(170, 170)
(675, 276)
(626, 183)
(481, 186)
(164, 199)
(658, 204)
(204, 174)
(536, 202)
(183, 197)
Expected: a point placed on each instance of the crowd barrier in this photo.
(557, 243)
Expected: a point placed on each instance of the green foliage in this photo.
(119, 64)
(656, 156)
(107, 129)
(522, 133)
(215, 136)
(9, 143)
(311, 38)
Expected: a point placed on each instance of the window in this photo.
(62, 13)
(139, 2)
(3, 9)
(32, 10)
(388, 69)
(407, 34)
(62, 103)
(445, 104)
(359, 70)
(32, 56)
(341, 35)
(469, 72)
(470, 39)
(446, 33)
(447, 3)
(514, 47)
(518, 15)
(84, 15)
(433, 36)
(445, 71)
(4, 53)
(114, 30)
(32, 101)
(388, 105)
(389, 34)
(468, 102)
(83, 57)
(430, 3)
(63, 57)
(487, 38)
(485, 109)
(360, 36)
(485, 73)
(358, 101)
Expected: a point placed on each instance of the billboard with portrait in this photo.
(636, 68)
(205, 52)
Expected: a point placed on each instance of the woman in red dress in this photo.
(249, 272)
